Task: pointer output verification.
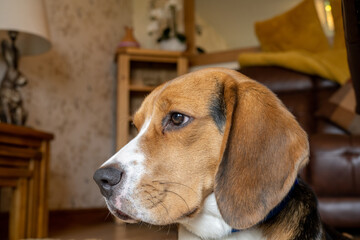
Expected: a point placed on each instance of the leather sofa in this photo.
(334, 167)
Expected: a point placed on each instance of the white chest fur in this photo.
(209, 224)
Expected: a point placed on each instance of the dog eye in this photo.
(175, 120)
(178, 119)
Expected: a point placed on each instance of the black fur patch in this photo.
(218, 107)
(303, 206)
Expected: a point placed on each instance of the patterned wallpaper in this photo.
(71, 93)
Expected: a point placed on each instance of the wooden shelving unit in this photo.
(141, 88)
(24, 167)
(132, 87)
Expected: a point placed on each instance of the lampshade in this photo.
(28, 17)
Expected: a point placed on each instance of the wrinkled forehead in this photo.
(190, 94)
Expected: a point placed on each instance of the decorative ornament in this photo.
(129, 39)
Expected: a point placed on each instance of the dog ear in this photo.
(262, 151)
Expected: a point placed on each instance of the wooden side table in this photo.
(24, 163)
(126, 57)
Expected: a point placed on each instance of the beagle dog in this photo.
(219, 154)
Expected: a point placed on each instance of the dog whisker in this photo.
(161, 203)
(179, 197)
(150, 199)
(107, 216)
(169, 228)
(181, 184)
(167, 211)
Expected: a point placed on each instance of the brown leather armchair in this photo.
(335, 159)
(334, 168)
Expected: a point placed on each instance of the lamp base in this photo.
(11, 104)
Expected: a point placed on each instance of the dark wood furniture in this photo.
(24, 163)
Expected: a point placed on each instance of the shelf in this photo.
(151, 55)
(137, 70)
(160, 59)
(141, 88)
(149, 52)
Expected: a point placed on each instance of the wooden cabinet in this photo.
(24, 163)
(139, 72)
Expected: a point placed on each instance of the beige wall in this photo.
(71, 93)
(140, 19)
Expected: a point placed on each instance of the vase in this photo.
(172, 44)
(129, 39)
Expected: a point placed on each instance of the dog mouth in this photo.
(191, 213)
(123, 216)
(128, 219)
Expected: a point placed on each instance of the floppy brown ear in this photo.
(262, 151)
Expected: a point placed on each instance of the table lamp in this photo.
(23, 31)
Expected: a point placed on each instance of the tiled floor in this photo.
(112, 231)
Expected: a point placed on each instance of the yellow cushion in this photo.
(330, 64)
(296, 29)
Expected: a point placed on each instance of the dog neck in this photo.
(276, 210)
(209, 224)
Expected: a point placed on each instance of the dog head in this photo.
(213, 130)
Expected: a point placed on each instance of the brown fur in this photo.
(184, 161)
(263, 150)
(251, 165)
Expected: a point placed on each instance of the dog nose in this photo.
(106, 179)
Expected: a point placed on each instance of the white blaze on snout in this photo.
(130, 160)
